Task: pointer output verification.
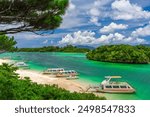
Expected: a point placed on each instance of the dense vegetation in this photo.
(14, 88)
(31, 15)
(7, 43)
(68, 48)
(121, 54)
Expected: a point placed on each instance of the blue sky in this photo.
(95, 23)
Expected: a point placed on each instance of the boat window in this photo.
(108, 86)
(128, 87)
(123, 87)
(115, 86)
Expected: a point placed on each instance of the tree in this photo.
(31, 15)
(7, 43)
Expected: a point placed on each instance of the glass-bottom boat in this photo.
(108, 86)
(68, 73)
(53, 70)
(22, 65)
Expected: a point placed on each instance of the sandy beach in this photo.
(4, 61)
(39, 78)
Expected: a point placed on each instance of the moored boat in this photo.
(53, 70)
(72, 77)
(67, 73)
(108, 86)
(21, 65)
(6, 58)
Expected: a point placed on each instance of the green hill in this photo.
(121, 54)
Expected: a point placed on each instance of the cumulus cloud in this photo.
(113, 27)
(145, 31)
(97, 10)
(78, 38)
(88, 38)
(125, 10)
(72, 17)
(118, 38)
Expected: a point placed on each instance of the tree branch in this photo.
(7, 9)
(25, 28)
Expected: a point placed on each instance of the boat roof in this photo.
(55, 68)
(20, 63)
(113, 77)
(68, 71)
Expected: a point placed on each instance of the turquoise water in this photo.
(92, 72)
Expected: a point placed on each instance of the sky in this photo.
(97, 22)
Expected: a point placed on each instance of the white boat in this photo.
(108, 86)
(6, 58)
(20, 65)
(53, 70)
(67, 73)
(72, 77)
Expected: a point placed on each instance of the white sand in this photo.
(50, 79)
(4, 61)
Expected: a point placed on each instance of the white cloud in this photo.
(95, 20)
(88, 38)
(12, 25)
(125, 10)
(72, 17)
(145, 31)
(113, 27)
(97, 11)
(71, 6)
(45, 42)
(78, 38)
(26, 36)
(94, 12)
(118, 38)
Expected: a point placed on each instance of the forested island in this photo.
(68, 48)
(121, 54)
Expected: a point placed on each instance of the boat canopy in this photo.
(113, 77)
(55, 69)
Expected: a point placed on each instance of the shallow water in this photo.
(91, 72)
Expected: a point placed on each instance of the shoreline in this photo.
(38, 77)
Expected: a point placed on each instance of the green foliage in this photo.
(7, 43)
(121, 54)
(68, 48)
(14, 88)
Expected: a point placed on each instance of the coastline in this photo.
(38, 77)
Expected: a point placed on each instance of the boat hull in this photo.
(49, 73)
(117, 91)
